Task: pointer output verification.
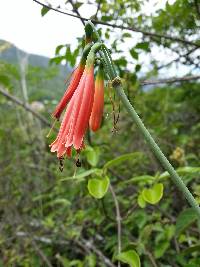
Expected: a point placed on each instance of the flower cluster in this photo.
(84, 101)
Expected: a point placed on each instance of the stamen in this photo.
(113, 107)
(78, 162)
(61, 163)
(52, 128)
(67, 80)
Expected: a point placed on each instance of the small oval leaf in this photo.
(141, 202)
(44, 10)
(136, 156)
(130, 257)
(153, 195)
(184, 220)
(98, 187)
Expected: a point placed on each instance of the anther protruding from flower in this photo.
(75, 79)
(98, 104)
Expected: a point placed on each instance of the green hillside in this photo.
(50, 79)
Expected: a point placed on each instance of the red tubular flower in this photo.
(76, 117)
(98, 105)
(75, 79)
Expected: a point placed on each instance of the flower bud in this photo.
(98, 104)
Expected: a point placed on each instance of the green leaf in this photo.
(142, 178)
(181, 170)
(184, 220)
(98, 187)
(161, 248)
(61, 201)
(141, 202)
(153, 195)
(58, 48)
(134, 156)
(137, 67)
(133, 53)
(92, 155)
(143, 46)
(81, 175)
(191, 249)
(188, 169)
(126, 35)
(77, 5)
(130, 257)
(44, 10)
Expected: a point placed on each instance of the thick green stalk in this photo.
(155, 148)
(116, 82)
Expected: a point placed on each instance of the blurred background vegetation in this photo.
(48, 218)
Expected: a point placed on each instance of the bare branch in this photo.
(197, 6)
(118, 220)
(178, 58)
(151, 258)
(36, 247)
(170, 80)
(25, 106)
(90, 245)
(134, 29)
(87, 245)
(76, 11)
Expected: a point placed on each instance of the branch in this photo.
(90, 246)
(178, 58)
(37, 249)
(133, 29)
(76, 11)
(118, 220)
(25, 106)
(151, 258)
(87, 245)
(170, 80)
(197, 6)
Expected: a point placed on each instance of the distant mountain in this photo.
(52, 83)
(11, 54)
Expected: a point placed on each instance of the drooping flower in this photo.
(75, 79)
(76, 117)
(98, 104)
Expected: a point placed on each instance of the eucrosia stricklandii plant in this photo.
(85, 100)
(75, 79)
(80, 96)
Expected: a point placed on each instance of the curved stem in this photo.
(156, 150)
(147, 136)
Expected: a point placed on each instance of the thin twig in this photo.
(41, 254)
(151, 258)
(178, 58)
(76, 11)
(118, 220)
(87, 245)
(134, 29)
(98, 8)
(90, 245)
(36, 247)
(170, 80)
(25, 106)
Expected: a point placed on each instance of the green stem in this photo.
(156, 150)
(149, 139)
